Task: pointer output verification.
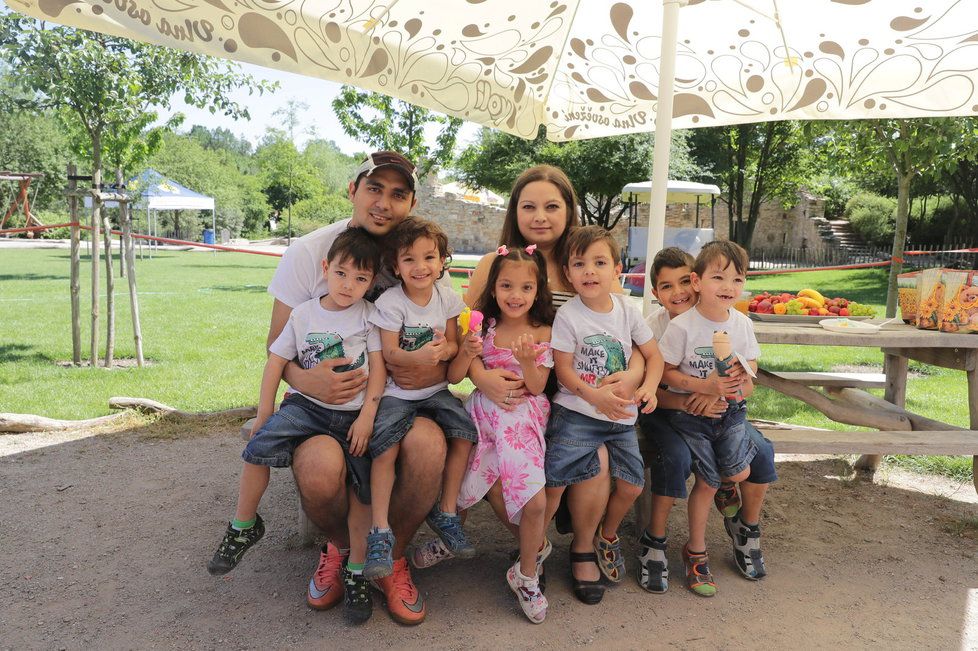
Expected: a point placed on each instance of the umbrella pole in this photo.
(663, 135)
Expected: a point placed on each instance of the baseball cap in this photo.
(390, 159)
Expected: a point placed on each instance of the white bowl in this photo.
(847, 325)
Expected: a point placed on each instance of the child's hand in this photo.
(607, 402)
(471, 345)
(646, 394)
(260, 420)
(359, 434)
(622, 382)
(524, 350)
(725, 385)
(434, 351)
(703, 404)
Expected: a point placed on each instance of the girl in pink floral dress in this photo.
(518, 311)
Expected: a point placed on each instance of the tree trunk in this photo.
(96, 213)
(899, 240)
(75, 269)
(109, 292)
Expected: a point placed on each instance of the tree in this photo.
(906, 148)
(597, 168)
(383, 122)
(34, 142)
(107, 87)
(752, 164)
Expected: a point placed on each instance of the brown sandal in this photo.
(589, 592)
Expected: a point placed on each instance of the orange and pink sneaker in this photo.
(326, 584)
(404, 603)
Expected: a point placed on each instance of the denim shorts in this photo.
(395, 417)
(669, 461)
(719, 447)
(297, 420)
(573, 440)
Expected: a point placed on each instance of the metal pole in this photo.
(663, 135)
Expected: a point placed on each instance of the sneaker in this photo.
(380, 559)
(610, 559)
(746, 548)
(429, 554)
(653, 565)
(358, 603)
(727, 499)
(448, 526)
(233, 547)
(326, 584)
(404, 602)
(527, 590)
(698, 577)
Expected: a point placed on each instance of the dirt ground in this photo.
(104, 542)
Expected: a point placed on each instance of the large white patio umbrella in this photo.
(589, 68)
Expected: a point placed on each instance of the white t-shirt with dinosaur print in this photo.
(416, 326)
(313, 334)
(601, 343)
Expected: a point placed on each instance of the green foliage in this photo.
(383, 122)
(752, 164)
(107, 88)
(285, 175)
(321, 210)
(836, 191)
(597, 168)
(872, 217)
(34, 142)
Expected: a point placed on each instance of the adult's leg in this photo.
(420, 467)
(320, 474)
(587, 502)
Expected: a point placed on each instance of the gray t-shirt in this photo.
(313, 334)
(688, 341)
(601, 343)
(415, 325)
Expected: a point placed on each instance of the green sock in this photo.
(241, 525)
(356, 569)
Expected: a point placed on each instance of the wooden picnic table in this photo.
(900, 431)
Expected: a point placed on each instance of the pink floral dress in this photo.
(510, 446)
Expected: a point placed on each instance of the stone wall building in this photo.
(473, 227)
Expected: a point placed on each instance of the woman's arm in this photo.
(478, 280)
(603, 398)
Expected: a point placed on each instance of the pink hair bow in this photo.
(530, 250)
(502, 250)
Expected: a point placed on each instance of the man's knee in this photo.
(423, 450)
(320, 471)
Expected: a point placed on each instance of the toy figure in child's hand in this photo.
(470, 320)
(724, 359)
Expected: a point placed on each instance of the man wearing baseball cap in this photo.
(383, 194)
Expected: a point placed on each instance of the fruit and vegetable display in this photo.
(807, 302)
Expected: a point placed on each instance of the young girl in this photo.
(417, 327)
(518, 311)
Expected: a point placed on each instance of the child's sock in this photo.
(752, 527)
(649, 540)
(356, 569)
(242, 525)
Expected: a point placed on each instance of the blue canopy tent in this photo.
(156, 192)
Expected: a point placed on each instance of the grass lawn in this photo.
(205, 316)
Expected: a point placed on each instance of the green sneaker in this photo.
(234, 545)
(698, 577)
(727, 499)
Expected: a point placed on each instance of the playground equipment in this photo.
(20, 198)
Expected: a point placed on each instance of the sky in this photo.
(317, 93)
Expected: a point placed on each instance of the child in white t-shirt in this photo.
(333, 326)
(417, 321)
(592, 338)
(721, 448)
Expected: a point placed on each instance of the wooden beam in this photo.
(839, 412)
(800, 441)
(956, 358)
(869, 401)
(819, 379)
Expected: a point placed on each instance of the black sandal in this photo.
(589, 592)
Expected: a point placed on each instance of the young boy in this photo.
(719, 444)
(592, 338)
(417, 321)
(336, 325)
(668, 456)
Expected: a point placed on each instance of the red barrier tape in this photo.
(216, 247)
(35, 228)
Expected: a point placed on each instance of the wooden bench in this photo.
(817, 441)
(819, 379)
